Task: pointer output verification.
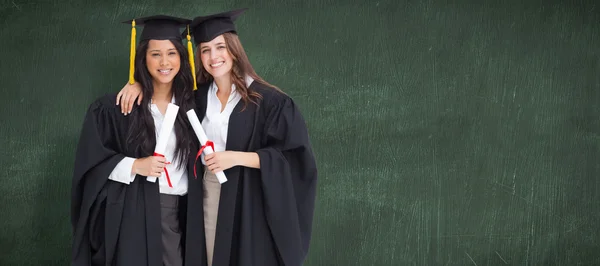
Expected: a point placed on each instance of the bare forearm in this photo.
(248, 159)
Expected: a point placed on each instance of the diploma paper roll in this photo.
(165, 133)
(203, 139)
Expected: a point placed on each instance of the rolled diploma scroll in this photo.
(203, 139)
(165, 133)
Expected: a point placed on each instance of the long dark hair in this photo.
(142, 130)
(241, 68)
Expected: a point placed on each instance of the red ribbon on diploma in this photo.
(208, 143)
(166, 172)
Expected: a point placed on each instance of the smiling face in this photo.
(162, 61)
(215, 57)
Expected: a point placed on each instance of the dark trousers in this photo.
(171, 230)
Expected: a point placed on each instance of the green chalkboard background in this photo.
(459, 132)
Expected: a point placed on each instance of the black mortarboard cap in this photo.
(160, 27)
(206, 28)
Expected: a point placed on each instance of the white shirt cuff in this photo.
(122, 172)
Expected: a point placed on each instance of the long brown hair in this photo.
(241, 68)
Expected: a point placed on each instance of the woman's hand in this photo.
(127, 96)
(223, 160)
(220, 161)
(149, 166)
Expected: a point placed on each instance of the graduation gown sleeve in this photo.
(95, 158)
(289, 177)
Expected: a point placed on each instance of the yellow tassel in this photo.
(191, 55)
(132, 54)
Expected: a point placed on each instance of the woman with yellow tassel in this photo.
(119, 217)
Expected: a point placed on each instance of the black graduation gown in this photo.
(265, 215)
(115, 223)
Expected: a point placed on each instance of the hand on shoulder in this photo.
(128, 95)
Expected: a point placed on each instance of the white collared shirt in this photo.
(215, 122)
(122, 172)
